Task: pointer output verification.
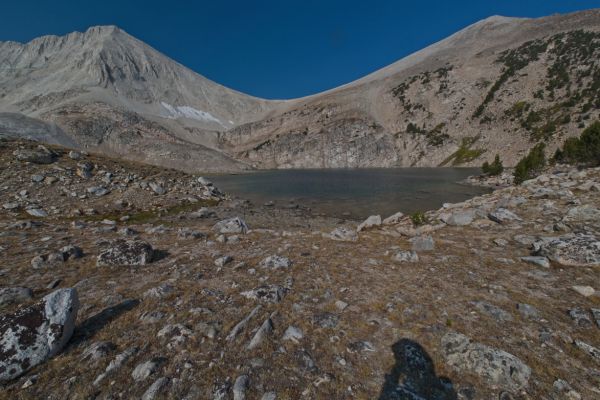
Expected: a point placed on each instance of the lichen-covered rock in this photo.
(231, 225)
(571, 250)
(126, 252)
(34, 334)
(495, 366)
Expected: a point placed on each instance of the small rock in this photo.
(266, 293)
(406, 256)
(36, 212)
(343, 234)
(393, 219)
(581, 317)
(373, 220)
(502, 216)
(423, 243)
(528, 311)
(145, 369)
(97, 351)
(293, 333)
(341, 305)
(156, 188)
(74, 155)
(539, 261)
(159, 386)
(240, 386)
(222, 261)
(326, 320)
(275, 262)
(586, 291)
(231, 225)
(462, 218)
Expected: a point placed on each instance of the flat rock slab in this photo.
(126, 252)
(571, 250)
(495, 366)
(34, 334)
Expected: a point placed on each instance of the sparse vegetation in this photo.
(582, 150)
(419, 218)
(464, 153)
(531, 165)
(493, 169)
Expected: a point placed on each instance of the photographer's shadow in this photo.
(413, 376)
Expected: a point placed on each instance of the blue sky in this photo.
(274, 49)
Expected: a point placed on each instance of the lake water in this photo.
(354, 193)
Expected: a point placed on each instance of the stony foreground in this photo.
(181, 293)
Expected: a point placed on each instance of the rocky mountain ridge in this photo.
(497, 86)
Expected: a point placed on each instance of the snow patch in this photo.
(189, 112)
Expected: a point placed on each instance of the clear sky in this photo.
(274, 49)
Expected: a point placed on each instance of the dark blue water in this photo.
(354, 193)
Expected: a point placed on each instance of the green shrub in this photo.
(493, 169)
(531, 165)
(418, 218)
(582, 150)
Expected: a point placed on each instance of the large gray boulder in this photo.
(34, 334)
(495, 366)
(571, 250)
(126, 252)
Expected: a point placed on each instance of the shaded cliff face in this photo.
(499, 86)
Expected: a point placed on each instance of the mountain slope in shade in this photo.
(498, 86)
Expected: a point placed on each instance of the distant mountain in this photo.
(110, 91)
(498, 86)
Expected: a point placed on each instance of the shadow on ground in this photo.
(93, 324)
(413, 376)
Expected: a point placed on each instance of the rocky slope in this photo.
(498, 86)
(180, 292)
